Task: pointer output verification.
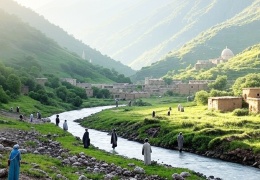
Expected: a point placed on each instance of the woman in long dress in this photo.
(14, 166)
(146, 152)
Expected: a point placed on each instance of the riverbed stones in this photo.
(3, 173)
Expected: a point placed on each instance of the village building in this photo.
(252, 97)
(41, 81)
(25, 90)
(226, 54)
(70, 80)
(224, 103)
(87, 87)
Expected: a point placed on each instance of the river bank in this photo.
(56, 154)
(232, 143)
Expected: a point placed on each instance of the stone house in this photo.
(70, 80)
(252, 97)
(224, 103)
(25, 90)
(41, 81)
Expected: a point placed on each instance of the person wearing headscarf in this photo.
(65, 126)
(114, 139)
(14, 166)
(146, 152)
(85, 139)
(180, 140)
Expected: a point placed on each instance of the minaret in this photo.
(83, 55)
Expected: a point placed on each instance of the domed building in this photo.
(227, 54)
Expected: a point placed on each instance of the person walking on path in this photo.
(57, 120)
(65, 126)
(14, 165)
(180, 140)
(114, 139)
(85, 139)
(146, 152)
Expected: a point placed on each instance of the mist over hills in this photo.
(63, 38)
(141, 32)
(27, 49)
(237, 33)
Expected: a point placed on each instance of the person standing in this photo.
(114, 139)
(85, 139)
(14, 165)
(31, 117)
(65, 126)
(180, 140)
(57, 120)
(146, 152)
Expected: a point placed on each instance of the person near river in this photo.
(57, 120)
(180, 140)
(65, 126)
(146, 152)
(14, 163)
(86, 139)
(31, 117)
(114, 139)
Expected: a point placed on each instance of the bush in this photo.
(240, 112)
(3, 96)
(200, 142)
(201, 97)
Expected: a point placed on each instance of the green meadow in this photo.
(203, 129)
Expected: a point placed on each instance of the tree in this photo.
(250, 80)
(219, 84)
(167, 80)
(3, 96)
(62, 92)
(14, 84)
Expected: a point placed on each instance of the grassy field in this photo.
(203, 129)
(53, 166)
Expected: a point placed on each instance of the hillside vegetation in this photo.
(237, 33)
(248, 61)
(63, 38)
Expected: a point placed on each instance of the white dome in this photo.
(227, 54)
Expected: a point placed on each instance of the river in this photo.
(131, 149)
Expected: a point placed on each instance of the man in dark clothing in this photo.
(114, 139)
(57, 120)
(85, 139)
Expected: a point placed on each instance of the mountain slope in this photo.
(26, 48)
(248, 61)
(63, 38)
(237, 33)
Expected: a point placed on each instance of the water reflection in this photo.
(207, 166)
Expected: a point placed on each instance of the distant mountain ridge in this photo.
(237, 33)
(63, 38)
(149, 29)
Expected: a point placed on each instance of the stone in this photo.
(23, 151)
(2, 148)
(176, 176)
(139, 170)
(185, 174)
(3, 173)
(82, 177)
(108, 176)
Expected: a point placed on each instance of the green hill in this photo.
(242, 64)
(63, 38)
(237, 33)
(24, 47)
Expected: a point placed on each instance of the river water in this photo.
(131, 149)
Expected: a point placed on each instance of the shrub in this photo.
(200, 142)
(240, 112)
(201, 97)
